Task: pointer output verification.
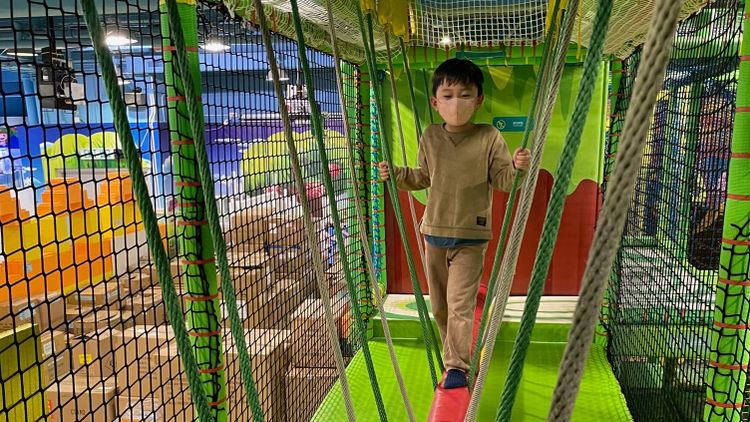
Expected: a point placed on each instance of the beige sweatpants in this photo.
(453, 275)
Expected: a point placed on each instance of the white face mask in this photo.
(457, 111)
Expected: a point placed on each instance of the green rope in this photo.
(417, 123)
(410, 82)
(428, 93)
(299, 182)
(510, 257)
(544, 67)
(393, 191)
(204, 170)
(554, 210)
(317, 130)
(360, 217)
(153, 236)
(397, 118)
(428, 332)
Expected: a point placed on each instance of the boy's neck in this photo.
(458, 129)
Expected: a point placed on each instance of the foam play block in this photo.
(449, 405)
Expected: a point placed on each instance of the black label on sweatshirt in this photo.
(481, 221)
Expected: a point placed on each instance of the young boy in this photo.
(461, 162)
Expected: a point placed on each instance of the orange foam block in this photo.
(57, 266)
(62, 197)
(116, 189)
(8, 205)
(16, 271)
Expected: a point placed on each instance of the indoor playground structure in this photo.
(193, 225)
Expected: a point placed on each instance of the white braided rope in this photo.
(322, 282)
(609, 229)
(510, 258)
(361, 221)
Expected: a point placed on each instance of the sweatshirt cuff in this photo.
(398, 174)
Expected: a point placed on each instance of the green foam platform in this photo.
(599, 399)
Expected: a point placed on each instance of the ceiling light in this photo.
(20, 53)
(282, 76)
(215, 46)
(445, 41)
(118, 39)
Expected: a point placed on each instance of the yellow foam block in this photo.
(77, 223)
(116, 215)
(53, 229)
(11, 237)
(33, 232)
(92, 220)
(130, 213)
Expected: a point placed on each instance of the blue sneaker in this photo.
(455, 378)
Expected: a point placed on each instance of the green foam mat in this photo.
(599, 399)
(410, 328)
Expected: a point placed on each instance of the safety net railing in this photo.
(83, 322)
(659, 307)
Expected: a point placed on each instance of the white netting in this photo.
(629, 24)
(450, 23)
(315, 24)
(479, 22)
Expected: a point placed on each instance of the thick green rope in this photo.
(195, 112)
(410, 82)
(544, 67)
(317, 130)
(656, 54)
(428, 332)
(153, 236)
(428, 93)
(554, 209)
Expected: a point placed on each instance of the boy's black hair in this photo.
(453, 71)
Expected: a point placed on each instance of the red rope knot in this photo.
(724, 405)
(733, 282)
(202, 298)
(737, 197)
(212, 370)
(217, 403)
(188, 184)
(187, 204)
(731, 326)
(174, 48)
(182, 142)
(728, 366)
(198, 261)
(178, 98)
(736, 242)
(192, 222)
(207, 334)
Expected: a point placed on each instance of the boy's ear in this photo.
(480, 100)
(433, 102)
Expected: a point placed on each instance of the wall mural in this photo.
(41, 153)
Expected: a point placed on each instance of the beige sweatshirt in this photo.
(461, 169)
